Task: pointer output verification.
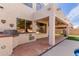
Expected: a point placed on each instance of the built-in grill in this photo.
(11, 32)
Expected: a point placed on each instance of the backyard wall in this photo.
(74, 31)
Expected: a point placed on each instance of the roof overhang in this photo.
(45, 12)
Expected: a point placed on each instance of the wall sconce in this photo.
(11, 25)
(3, 21)
(18, 18)
(49, 9)
(1, 7)
(58, 9)
(3, 47)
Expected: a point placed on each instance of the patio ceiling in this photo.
(57, 22)
(60, 22)
(43, 20)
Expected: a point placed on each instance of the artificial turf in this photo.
(73, 37)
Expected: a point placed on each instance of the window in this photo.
(28, 4)
(24, 25)
(28, 26)
(39, 6)
(20, 25)
(42, 28)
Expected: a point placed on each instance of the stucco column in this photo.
(67, 30)
(52, 29)
(34, 28)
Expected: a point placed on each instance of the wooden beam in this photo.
(61, 25)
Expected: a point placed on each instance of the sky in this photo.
(71, 10)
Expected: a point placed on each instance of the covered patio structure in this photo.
(52, 23)
(59, 27)
(56, 22)
(44, 40)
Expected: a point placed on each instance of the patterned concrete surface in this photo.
(34, 48)
(65, 48)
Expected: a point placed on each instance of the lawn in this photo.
(73, 37)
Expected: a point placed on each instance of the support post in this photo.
(67, 30)
(52, 29)
(34, 28)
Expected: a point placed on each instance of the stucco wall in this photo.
(6, 46)
(11, 12)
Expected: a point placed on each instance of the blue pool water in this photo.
(76, 52)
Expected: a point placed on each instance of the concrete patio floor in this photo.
(34, 48)
(65, 48)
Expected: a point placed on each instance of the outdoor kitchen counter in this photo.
(23, 38)
(4, 35)
(9, 42)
